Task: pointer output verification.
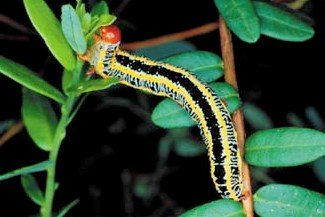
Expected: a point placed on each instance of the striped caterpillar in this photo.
(161, 79)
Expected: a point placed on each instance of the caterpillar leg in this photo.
(91, 71)
(101, 74)
(85, 57)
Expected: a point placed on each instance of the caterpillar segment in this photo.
(162, 79)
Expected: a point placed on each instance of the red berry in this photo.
(111, 34)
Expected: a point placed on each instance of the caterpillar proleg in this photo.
(162, 79)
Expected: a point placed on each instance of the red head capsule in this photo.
(110, 34)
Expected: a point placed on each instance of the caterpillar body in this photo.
(204, 106)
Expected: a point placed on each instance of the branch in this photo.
(14, 24)
(19, 38)
(206, 28)
(238, 118)
(11, 132)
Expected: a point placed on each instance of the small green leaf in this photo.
(32, 189)
(27, 170)
(319, 169)
(29, 79)
(261, 174)
(205, 65)
(72, 30)
(288, 200)
(80, 9)
(225, 208)
(49, 28)
(228, 94)
(256, 117)
(168, 114)
(67, 80)
(241, 18)
(39, 119)
(86, 22)
(314, 118)
(165, 50)
(70, 79)
(142, 188)
(97, 22)
(67, 208)
(94, 85)
(280, 24)
(100, 8)
(289, 146)
(164, 147)
(186, 147)
(294, 120)
(106, 19)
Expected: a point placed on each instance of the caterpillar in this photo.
(162, 79)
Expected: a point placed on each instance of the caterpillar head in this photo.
(110, 34)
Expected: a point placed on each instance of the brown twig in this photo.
(238, 118)
(11, 132)
(206, 28)
(121, 7)
(14, 24)
(19, 38)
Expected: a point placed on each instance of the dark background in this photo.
(103, 144)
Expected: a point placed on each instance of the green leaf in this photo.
(205, 65)
(70, 79)
(32, 189)
(72, 30)
(67, 81)
(97, 22)
(261, 174)
(29, 79)
(288, 146)
(67, 208)
(165, 50)
(27, 170)
(288, 200)
(94, 85)
(282, 25)
(49, 28)
(168, 114)
(142, 188)
(80, 9)
(86, 22)
(228, 94)
(256, 117)
(241, 18)
(294, 120)
(186, 147)
(100, 8)
(106, 19)
(314, 118)
(319, 169)
(225, 208)
(164, 147)
(39, 119)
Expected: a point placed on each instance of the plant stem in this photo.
(238, 118)
(46, 209)
(206, 28)
(11, 132)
